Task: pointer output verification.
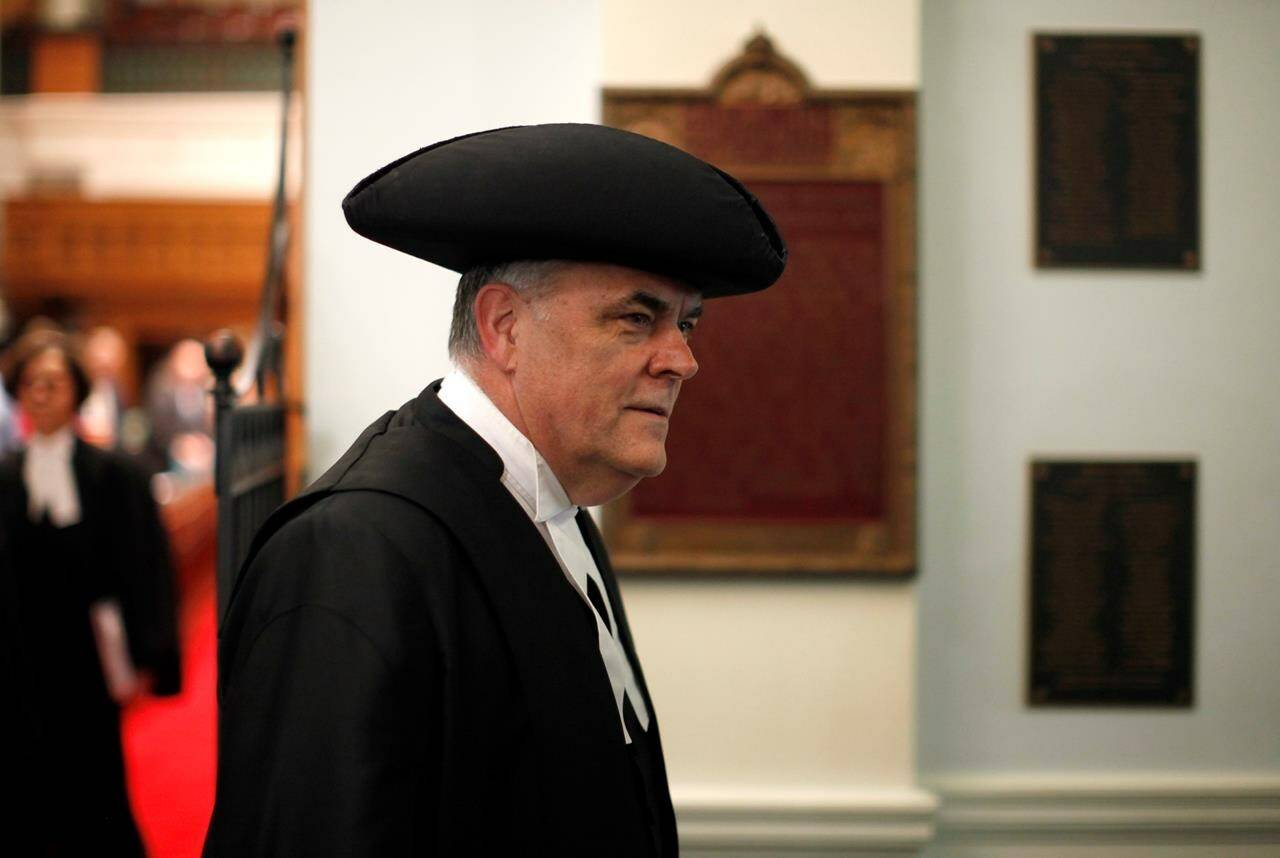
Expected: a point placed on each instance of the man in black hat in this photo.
(427, 652)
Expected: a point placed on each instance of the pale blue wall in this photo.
(1018, 362)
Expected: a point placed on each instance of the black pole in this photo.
(223, 352)
(278, 239)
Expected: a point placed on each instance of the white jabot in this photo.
(51, 485)
(529, 479)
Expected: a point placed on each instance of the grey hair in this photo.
(527, 276)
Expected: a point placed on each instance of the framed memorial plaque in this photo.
(1112, 582)
(794, 448)
(1117, 151)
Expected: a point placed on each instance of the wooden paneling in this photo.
(140, 249)
(156, 270)
(66, 62)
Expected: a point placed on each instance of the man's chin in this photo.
(637, 470)
(649, 466)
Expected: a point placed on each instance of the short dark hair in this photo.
(526, 275)
(35, 343)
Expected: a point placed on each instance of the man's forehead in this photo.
(618, 283)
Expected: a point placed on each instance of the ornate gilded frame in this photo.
(874, 140)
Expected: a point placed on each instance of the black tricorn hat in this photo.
(580, 192)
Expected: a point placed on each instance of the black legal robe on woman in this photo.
(63, 731)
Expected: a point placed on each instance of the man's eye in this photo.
(640, 319)
(687, 326)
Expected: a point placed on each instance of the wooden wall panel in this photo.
(66, 62)
(143, 249)
(155, 270)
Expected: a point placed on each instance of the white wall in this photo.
(869, 44)
(1018, 362)
(385, 79)
(202, 145)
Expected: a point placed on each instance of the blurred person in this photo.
(180, 410)
(13, 427)
(8, 422)
(91, 623)
(105, 355)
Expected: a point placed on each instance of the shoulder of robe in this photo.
(369, 537)
(366, 541)
(365, 558)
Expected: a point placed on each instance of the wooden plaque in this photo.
(1112, 582)
(1117, 151)
(794, 448)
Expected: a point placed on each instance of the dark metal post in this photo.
(278, 240)
(223, 352)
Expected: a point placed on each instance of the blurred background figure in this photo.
(105, 356)
(180, 411)
(91, 622)
(8, 423)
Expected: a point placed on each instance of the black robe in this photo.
(63, 730)
(406, 671)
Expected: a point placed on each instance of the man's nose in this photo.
(674, 357)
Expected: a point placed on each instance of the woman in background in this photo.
(93, 622)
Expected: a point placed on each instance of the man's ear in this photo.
(496, 308)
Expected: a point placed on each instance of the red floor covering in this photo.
(169, 742)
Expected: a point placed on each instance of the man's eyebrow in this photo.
(655, 304)
(649, 301)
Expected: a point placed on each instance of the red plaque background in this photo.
(786, 417)
(794, 449)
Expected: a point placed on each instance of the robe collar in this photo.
(526, 473)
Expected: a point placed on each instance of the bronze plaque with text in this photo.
(1117, 151)
(1112, 582)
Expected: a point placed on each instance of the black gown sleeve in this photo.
(330, 707)
(146, 579)
(21, 727)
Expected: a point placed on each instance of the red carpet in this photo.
(169, 742)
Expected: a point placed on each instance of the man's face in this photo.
(600, 360)
(47, 391)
